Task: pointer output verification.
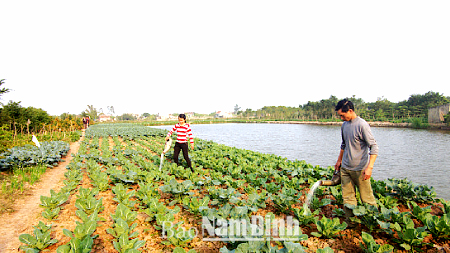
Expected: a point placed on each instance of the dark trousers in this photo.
(176, 152)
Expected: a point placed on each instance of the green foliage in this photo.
(418, 123)
(154, 207)
(447, 119)
(49, 154)
(256, 201)
(387, 201)
(409, 236)
(265, 247)
(50, 214)
(283, 202)
(416, 106)
(76, 245)
(85, 193)
(328, 228)
(40, 239)
(181, 250)
(89, 205)
(5, 137)
(337, 194)
(305, 216)
(177, 235)
(370, 246)
(81, 240)
(127, 245)
(367, 215)
(84, 217)
(17, 117)
(121, 228)
(123, 196)
(325, 250)
(317, 203)
(124, 213)
(222, 196)
(446, 205)
(418, 212)
(215, 180)
(178, 189)
(166, 217)
(438, 226)
(55, 199)
(407, 191)
(195, 205)
(100, 180)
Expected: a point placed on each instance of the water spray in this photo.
(335, 180)
(166, 148)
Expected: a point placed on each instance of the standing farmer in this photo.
(183, 129)
(84, 122)
(358, 153)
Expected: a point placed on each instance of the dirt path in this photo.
(28, 212)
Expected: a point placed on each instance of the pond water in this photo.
(421, 156)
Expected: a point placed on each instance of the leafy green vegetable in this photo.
(55, 200)
(51, 214)
(121, 227)
(195, 205)
(124, 213)
(90, 205)
(76, 245)
(367, 215)
(370, 246)
(305, 216)
(40, 239)
(409, 236)
(125, 245)
(438, 226)
(328, 228)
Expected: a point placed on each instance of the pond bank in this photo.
(371, 123)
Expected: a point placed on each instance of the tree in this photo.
(110, 110)
(19, 118)
(126, 116)
(92, 112)
(236, 109)
(149, 116)
(3, 90)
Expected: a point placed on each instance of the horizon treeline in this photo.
(416, 106)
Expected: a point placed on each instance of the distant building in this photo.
(189, 115)
(221, 114)
(436, 114)
(166, 117)
(103, 118)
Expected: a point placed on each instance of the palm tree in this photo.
(3, 90)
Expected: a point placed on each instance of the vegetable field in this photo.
(116, 199)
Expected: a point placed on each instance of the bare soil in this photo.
(28, 214)
(27, 208)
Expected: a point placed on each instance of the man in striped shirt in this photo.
(182, 129)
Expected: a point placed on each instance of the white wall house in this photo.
(222, 114)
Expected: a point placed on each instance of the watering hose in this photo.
(166, 148)
(335, 180)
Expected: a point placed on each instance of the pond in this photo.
(421, 156)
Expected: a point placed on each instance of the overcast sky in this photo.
(205, 56)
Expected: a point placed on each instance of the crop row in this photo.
(48, 154)
(163, 211)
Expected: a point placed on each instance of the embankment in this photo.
(371, 123)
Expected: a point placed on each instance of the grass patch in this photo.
(15, 183)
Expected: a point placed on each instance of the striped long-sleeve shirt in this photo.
(182, 132)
